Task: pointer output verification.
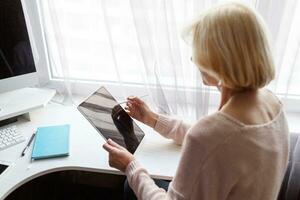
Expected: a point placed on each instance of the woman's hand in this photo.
(119, 157)
(139, 110)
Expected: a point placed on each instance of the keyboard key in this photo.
(10, 136)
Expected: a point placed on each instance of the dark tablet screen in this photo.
(111, 120)
(3, 168)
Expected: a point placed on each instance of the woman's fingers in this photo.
(139, 101)
(134, 109)
(127, 110)
(130, 97)
(109, 148)
(135, 99)
(129, 113)
(114, 144)
(131, 107)
(129, 104)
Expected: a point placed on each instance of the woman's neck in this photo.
(227, 94)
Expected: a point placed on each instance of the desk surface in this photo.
(157, 154)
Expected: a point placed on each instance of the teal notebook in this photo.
(51, 141)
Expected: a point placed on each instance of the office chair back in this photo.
(290, 188)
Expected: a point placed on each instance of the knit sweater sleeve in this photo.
(180, 188)
(221, 160)
(203, 166)
(172, 128)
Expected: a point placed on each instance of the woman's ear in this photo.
(219, 86)
(209, 80)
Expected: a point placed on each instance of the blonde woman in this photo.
(238, 152)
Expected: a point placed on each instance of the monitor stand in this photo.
(22, 101)
(8, 121)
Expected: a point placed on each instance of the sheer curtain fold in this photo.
(58, 60)
(164, 46)
(111, 43)
(138, 42)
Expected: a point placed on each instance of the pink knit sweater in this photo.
(222, 158)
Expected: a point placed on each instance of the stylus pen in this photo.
(138, 97)
(28, 145)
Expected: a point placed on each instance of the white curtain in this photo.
(138, 42)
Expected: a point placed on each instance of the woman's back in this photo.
(240, 159)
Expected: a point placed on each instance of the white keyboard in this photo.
(10, 136)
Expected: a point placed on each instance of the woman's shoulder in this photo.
(252, 108)
(212, 129)
(213, 122)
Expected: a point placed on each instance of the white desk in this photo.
(157, 154)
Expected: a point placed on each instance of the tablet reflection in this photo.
(124, 124)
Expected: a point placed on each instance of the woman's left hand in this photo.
(119, 157)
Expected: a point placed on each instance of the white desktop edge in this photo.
(92, 159)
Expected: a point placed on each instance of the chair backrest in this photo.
(290, 188)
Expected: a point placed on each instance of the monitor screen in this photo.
(111, 120)
(15, 50)
(3, 168)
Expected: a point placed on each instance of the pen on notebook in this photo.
(138, 97)
(28, 145)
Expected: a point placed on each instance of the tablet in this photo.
(111, 120)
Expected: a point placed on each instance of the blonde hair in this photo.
(230, 43)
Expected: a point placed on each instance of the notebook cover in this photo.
(51, 141)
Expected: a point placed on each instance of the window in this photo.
(109, 41)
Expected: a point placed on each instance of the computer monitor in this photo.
(17, 64)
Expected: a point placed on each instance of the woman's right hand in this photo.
(140, 111)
